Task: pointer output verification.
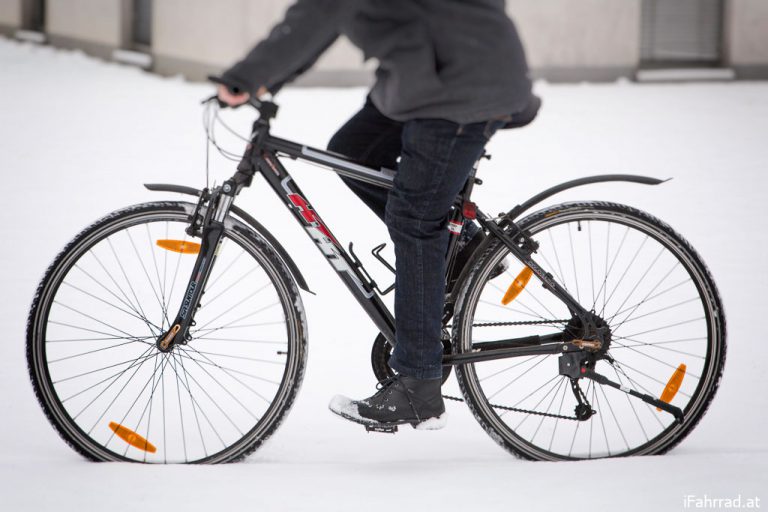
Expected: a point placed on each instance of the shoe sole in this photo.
(342, 406)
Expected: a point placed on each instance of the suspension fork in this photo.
(212, 231)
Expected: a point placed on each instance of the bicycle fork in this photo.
(212, 230)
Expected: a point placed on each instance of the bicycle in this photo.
(613, 345)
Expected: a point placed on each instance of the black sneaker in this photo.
(465, 253)
(400, 400)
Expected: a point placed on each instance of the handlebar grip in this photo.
(233, 88)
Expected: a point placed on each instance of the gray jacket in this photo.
(460, 60)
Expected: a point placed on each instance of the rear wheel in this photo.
(95, 366)
(654, 293)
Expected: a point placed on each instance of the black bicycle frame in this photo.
(262, 155)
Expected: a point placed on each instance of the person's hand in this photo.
(234, 100)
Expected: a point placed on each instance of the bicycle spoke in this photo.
(557, 259)
(573, 262)
(240, 302)
(91, 317)
(674, 367)
(80, 354)
(127, 301)
(516, 378)
(229, 372)
(668, 326)
(662, 310)
(161, 288)
(629, 265)
(129, 362)
(552, 389)
(109, 304)
(559, 412)
(631, 406)
(234, 283)
(654, 345)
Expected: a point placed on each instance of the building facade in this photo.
(566, 40)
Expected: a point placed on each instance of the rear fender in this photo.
(515, 212)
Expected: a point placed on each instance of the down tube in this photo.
(292, 196)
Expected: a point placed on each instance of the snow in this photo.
(80, 136)
(346, 407)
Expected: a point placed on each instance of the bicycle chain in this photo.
(520, 322)
(528, 411)
(516, 409)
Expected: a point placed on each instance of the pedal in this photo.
(384, 429)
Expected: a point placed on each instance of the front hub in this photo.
(166, 341)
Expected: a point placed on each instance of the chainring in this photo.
(382, 350)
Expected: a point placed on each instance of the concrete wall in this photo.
(565, 39)
(10, 16)
(747, 37)
(206, 37)
(601, 38)
(97, 26)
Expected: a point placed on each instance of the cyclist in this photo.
(450, 73)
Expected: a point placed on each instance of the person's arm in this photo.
(293, 46)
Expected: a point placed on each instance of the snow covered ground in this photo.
(78, 137)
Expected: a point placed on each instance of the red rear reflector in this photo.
(469, 210)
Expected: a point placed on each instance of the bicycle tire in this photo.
(543, 223)
(280, 287)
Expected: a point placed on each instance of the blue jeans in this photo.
(435, 159)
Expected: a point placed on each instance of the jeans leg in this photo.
(372, 139)
(436, 159)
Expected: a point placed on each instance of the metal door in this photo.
(682, 31)
(33, 13)
(142, 22)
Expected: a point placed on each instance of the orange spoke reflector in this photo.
(132, 438)
(673, 386)
(179, 246)
(517, 285)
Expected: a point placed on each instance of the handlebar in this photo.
(267, 109)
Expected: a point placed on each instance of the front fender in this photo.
(248, 219)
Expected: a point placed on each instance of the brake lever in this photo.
(251, 101)
(215, 98)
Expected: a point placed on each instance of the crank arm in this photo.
(664, 406)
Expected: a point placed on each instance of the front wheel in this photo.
(99, 310)
(666, 321)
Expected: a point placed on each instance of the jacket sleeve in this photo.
(292, 47)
